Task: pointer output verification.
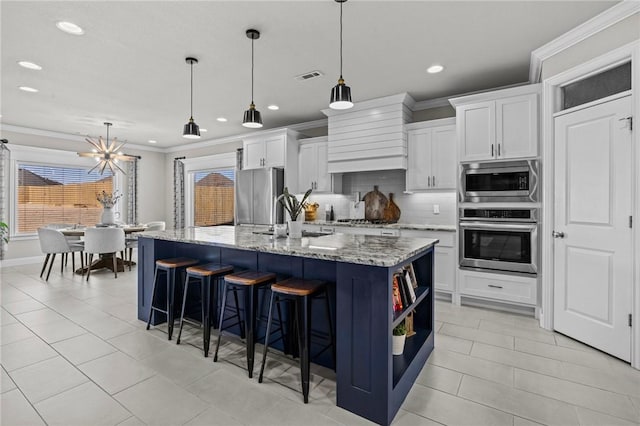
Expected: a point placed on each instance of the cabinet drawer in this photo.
(500, 287)
(447, 239)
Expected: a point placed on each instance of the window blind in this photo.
(213, 197)
(58, 194)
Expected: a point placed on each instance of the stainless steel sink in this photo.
(308, 234)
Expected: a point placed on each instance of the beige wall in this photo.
(617, 35)
(151, 197)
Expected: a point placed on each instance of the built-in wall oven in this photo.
(504, 181)
(499, 239)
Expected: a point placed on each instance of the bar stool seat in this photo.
(300, 291)
(249, 282)
(205, 274)
(169, 267)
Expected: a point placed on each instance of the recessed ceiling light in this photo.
(69, 27)
(433, 69)
(29, 65)
(221, 119)
(273, 107)
(152, 141)
(203, 130)
(28, 89)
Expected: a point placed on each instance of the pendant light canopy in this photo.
(252, 117)
(191, 129)
(341, 93)
(106, 154)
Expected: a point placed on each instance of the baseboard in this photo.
(7, 263)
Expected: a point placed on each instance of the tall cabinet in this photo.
(313, 167)
(497, 125)
(277, 148)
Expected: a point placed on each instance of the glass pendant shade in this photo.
(252, 118)
(340, 96)
(191, 130)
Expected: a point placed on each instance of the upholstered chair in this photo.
(104, 241)
(53, 242)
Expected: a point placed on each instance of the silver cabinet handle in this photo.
(499, 149)
(433, 180)
(428, 180)
(386, 233)
(492, 150)
(494, 286)
(556, 234)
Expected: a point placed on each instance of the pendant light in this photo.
(191, 129)
(341, 93)
(106, 153)
(252, 118)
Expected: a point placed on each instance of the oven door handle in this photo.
(500, 226)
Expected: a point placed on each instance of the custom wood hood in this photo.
(369, 136)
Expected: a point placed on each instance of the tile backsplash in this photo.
(415, 208)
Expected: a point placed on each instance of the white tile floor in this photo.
(73, 353)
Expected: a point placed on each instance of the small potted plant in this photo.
(294, 208)
(399, 336)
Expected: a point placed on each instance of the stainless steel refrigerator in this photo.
(256, 194)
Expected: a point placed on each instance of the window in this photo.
(601, 85)
(213, 197)
(48, 194)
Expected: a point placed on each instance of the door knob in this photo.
(557, 234)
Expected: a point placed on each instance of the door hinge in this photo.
(630, 320)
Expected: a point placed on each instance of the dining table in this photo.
(106, 259)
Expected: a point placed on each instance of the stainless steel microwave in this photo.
(505, 181)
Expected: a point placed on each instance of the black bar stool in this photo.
(169, 267)
(204, 273)
(249, 282)
(301, 292)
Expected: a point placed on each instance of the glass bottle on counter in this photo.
(332, 216)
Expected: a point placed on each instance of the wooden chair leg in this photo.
(115, 264)
(44, 266)
(73, 262)
(89, 265)
(63, 257)
(82, 262)
(50, 265)
(130, 256)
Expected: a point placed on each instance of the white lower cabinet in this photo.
(500, 287)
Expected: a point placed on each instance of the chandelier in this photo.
(106, 153)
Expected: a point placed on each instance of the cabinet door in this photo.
(252, 154)
(323, 178)
(307, 163)
(419, 159)
(274, 151)
(477, 126)
(445, 259)
(443, 161)
(517, 126)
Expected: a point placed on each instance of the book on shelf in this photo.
(409, 286)
(397, 300)
(404, 293)
(412, 274)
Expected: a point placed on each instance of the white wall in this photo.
(151, 195)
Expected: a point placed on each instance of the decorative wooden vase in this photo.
(374, 204)
(391, 211)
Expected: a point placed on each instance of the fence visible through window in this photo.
(213, 197)
(52, 194)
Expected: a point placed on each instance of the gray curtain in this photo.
(5, 155)
(178, 193)
(132, 191)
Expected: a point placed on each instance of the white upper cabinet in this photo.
(273, 149)
(431, 151)
(498, 125)
(313, 167)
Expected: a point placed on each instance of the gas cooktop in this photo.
(362, 221)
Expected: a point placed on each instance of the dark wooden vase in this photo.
(391, 211)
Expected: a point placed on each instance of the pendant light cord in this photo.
(191, 63)
(252, 40)
(340, 40)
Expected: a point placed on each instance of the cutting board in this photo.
(374, 205)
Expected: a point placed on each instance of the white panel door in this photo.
(443, 162)
(307, 166)
(517, 126)
(477, 126)
(323, 180)
(253, 154)
(419, 158)
(274, 151)
(593, 246)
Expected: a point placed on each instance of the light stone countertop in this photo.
(413, 226)
(360, 249)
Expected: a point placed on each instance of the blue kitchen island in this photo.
(370, 381)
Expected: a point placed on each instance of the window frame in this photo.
(201, 164)
(21, 154)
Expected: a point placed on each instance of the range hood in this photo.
(369, 136)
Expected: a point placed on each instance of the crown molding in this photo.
(65, 136)
(431, 103)
(583, 31)
(490, 95)
(401, 98)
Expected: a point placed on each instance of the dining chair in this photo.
(104, 241)
(132, 241)
(53, 242)
(73, 239)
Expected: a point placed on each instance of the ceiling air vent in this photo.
(308, 75)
